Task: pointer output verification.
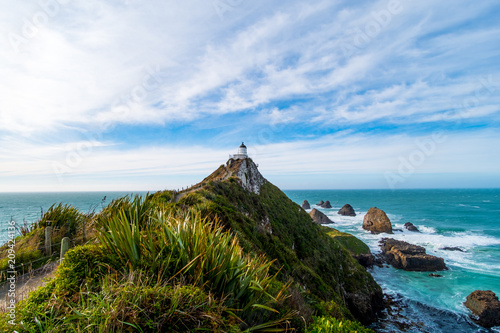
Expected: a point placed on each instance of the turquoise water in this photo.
(469, 219)
(28, 207)
(465, 218)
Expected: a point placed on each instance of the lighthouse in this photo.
(242, 152)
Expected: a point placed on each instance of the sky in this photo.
(132, 95)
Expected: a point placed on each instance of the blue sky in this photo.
(135, 95)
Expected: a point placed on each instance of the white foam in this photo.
(429, 238)
(469, 206)
(428, 230)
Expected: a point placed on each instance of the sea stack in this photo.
(347, 210)
(306, 205)
(410, 227)
(319, 218)
(320, 203)
(326, 204)
(485, 308)
(376, 221)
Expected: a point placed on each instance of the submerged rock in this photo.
(454, 248)
(306, 205)
(485, 308)
(410, 257)
(326, 204)
(410, 227)
(319, 218)
(376, 221)
(347, 210)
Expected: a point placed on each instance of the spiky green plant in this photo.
(63, 215)
(186, 245)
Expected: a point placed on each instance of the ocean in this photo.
(464, 218)
(27, 208)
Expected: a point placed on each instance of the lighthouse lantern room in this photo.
(242, 152)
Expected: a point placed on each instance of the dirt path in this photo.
(26, 283)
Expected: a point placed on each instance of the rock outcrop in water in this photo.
(410, 257)
(347, 210)
(452, 248)
(326, 204)
(485, 308)
(318, 217)
(410, 227)
(376, 221)
(320, 203)
(306, 205)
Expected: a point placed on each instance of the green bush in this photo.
(138, 303)
(63, 216)
(332, 325)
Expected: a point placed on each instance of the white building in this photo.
(242, 153)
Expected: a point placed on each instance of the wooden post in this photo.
(48, 241)
(64, 247)
(84, 231)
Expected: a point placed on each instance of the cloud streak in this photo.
(123, 76)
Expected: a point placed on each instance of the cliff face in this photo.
(267, 222)
(247, 172)
(244, 170)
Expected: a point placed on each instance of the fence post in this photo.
(84, 231)
(64, 247)
(48, 240)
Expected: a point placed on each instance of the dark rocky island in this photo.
(347, 210)
(306, 205)
(410, 257)
(410, 227)
(326, 204)
(319, 217)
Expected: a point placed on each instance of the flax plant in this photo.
(185, 245)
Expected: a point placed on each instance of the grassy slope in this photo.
(326, 280)
(307, 254)
(350, 243)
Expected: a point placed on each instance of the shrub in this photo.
(332, 325)
(63, 216)
(138, 303)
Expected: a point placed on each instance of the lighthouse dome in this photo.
(242, 150)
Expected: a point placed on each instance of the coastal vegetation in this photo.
(215, 257)
(29, 249)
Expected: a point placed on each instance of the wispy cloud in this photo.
(104, 72)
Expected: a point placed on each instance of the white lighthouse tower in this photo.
(242, 152)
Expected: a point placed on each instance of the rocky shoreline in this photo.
(484, 305)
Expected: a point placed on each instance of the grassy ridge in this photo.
(218, 259)
(156, 269)
(270, 223)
